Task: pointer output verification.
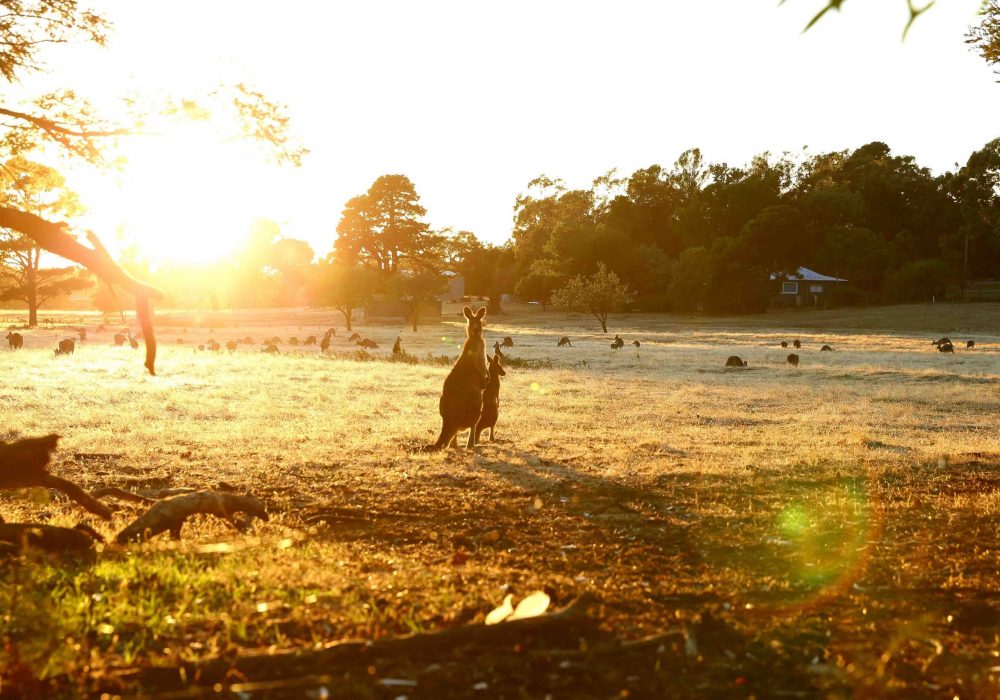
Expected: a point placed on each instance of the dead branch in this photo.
(54, 238)
(170, 513)
(23, 465)
(122, 494)
(49, 538)
(563, 628)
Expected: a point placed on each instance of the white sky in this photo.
(472, 100)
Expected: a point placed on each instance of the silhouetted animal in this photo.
(784, 343)
(970, 344)
(293, 340)
(82, 333)
(397, 347)
(324, 344)
(247, 341)
(496, 350)
(214, 346)
(133, 342)
(368, 344)
(120, 339)
(564, 341)
(826, 348)
(491, 399)
(946, 347)
(100, 328)
(66, 347)
(636, 343)
(231, 346)
(508, 342)
(735, 361)
(793, 360)
(201, 347)
(461, 401)
(618, 342)
(15, 340)
(311, 340)
(272, 349)
(941, 341)
(355, 336)
(796, 343)
(331, 331)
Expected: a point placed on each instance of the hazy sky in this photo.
(472, 100)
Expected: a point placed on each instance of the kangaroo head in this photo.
(496, 367)
(475, 318)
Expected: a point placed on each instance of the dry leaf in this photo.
(534, 605)
(501, 613)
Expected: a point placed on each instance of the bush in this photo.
(919, 281)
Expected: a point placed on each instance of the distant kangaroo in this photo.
(793, 360)
(564, 341)
(397, 347)
(826, 348)
(970, 344)
(311, 340)
(82, 332)
(462, 396)
(231, 346)
(324, 344)
(66, 347)
(496, 350)
(946, 347)
(618, 342)
(15, 340)
(271, 349)
(735, 361)
(491, 399)
(784, 343)
(355, 336)
(508, 342)
(796, 343)
(119, 339)
(368, 344)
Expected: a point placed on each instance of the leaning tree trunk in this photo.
(604, 323)
(415, 317)
(347, 317)
(53, 238)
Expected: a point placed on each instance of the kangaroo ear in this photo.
(468, 312)
(481, 314)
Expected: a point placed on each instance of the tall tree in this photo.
(346, 288)
(42, 191)
(985, 37)
(384, 226)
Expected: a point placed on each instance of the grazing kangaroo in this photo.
(462, 396)
(942, 341)
(368, 344)
(15, 340)
(231, 346)
(119, 339)
(491, 399)
(66, 347)
(82, 332)
(784, 343)
(618, 342)
(397, 347)
(970, 344)
(735, 361)
(508, 342)
(946, 347)
(354, 336)
(826, 348)
(311, 340)
(793, 360)
(214, 346)
(293, 340)
(797, 344)
(271, 349)
(564, 341)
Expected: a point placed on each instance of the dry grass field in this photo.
(830, 530)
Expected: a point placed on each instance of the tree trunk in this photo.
(347, 317)
(415, 317)
(604, 322)
(31, 294)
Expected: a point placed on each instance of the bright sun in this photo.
(187, 195)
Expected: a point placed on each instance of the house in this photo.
(804, 286)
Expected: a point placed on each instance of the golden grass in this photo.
(836, 513)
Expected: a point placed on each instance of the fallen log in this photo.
(23, 465)
(170, 513)
(49, 538)
(563, 629)
(122, 494)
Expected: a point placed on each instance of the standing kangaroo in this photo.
(462, 396)
(491, 399)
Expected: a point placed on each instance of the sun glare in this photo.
(186, 196)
